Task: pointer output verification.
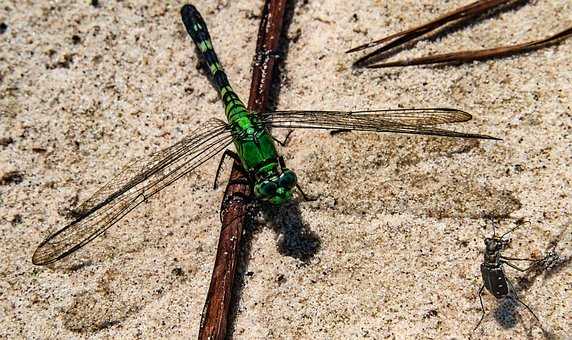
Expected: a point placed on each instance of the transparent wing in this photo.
(138, 181)
(411, 121)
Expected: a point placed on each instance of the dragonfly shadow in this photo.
(295, 238)
(77, 265)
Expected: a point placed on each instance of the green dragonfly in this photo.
(271, 180)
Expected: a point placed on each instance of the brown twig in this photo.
(237, 195)
(472, 55)
(469, 11)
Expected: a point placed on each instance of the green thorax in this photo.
(254, 144)
(257, 152)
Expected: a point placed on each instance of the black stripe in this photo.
(220, 79)
(210, 57)
(202, 36)
(263, 164)
(229, 96)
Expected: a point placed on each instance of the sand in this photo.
(392, 247)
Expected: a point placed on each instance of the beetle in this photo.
(492, 270)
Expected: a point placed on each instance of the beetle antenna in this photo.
(513, 229)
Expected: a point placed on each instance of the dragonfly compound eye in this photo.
(266, 189)
(287, 179)
(282, 196)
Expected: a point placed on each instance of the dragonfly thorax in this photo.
(277, 186)
(273, 182)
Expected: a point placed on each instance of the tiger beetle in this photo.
(492, 271)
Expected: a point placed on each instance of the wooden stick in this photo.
(238, 192)
(472, 55)
(469, 11)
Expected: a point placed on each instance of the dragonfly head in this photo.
(276, 189)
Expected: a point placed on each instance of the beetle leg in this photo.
(482, 308)
(517, 259)
(516, 267)
(534, 263)
(522, 303)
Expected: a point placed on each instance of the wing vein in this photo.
(137, 182)
(410, 121)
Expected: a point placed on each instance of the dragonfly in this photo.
(271, 180)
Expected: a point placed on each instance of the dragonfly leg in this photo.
(482, 308)
(281, 162)
(227, 153)
(286, 139)
(306, 197)
(235, 196)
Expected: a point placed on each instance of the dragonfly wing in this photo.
(411, 121)
(138, 181)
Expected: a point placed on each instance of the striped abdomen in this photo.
(197, 29)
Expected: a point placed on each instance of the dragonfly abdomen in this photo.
(233, 107)
(197, 29)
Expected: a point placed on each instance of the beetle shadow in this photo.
(506, 313)
(553, 262)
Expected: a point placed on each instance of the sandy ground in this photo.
(393, 245)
